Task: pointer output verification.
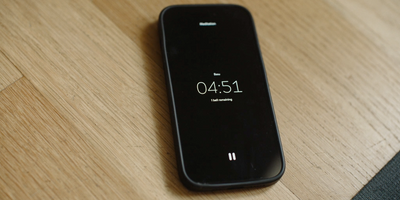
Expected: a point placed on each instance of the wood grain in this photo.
(44, 156)
(90, 120)
(378, 20)
(8, 72)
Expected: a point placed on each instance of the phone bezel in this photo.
(185, 179)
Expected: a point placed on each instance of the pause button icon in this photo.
(232, 156)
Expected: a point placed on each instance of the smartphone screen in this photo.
(221, 106)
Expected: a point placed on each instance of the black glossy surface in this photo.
(209, 129)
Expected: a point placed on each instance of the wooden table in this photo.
(84, 113)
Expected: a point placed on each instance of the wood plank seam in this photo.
(9, 60)
(11, 84)
(5, 55)
(289, 189)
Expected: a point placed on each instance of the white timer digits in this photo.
(219, 87)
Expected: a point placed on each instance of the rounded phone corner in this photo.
(165, 10)
(189, 183)
(280, 174)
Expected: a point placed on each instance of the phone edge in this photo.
(185, 179)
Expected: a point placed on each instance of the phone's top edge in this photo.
(199, 5)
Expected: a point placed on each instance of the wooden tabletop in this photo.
(84, 111)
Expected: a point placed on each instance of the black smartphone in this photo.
(224, 125)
